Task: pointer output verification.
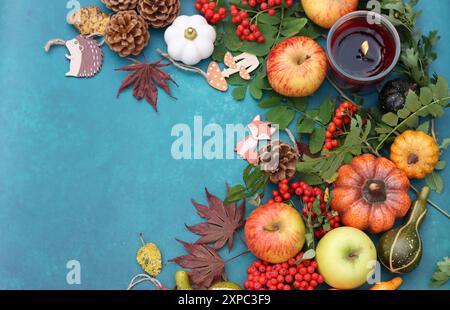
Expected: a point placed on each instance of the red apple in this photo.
(275, 232)
(326, 12)
(296, 67)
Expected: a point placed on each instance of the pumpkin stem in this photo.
(412, 159)
(190, 33)
(375, 191)
(374, 188)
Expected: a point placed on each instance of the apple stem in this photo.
(353, 255)
(272, 227)
(236, 256)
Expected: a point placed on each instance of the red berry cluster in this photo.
(308, 194)
(267, 5)
(283, 276)
(246, 29)
(342, 117)
(335, 222)
(209, 9)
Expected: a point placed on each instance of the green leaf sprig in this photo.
(431, 101)
(323, 169)
(255, 183)
(441, 274)
(417, 49)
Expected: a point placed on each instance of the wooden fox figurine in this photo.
(259, 130)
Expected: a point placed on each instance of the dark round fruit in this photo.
(392, 96)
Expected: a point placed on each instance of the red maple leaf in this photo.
(146, 79)
(205, 264)
(221, 221)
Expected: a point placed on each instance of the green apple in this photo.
(345, 257)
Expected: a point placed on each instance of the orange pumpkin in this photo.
(370, 193)
(416, 153)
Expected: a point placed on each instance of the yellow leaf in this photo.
(149, 257)
(333, 178)
(89, 20)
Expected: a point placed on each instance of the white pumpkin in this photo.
(190, 39)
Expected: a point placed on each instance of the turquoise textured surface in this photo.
(83, 173)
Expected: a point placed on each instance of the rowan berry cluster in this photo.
(342, 116)
(293, 274)
(335, 222)
(246, 20)
(307, 194)
(210, 11)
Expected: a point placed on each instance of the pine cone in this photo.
(120, 5)
(159, 13)
(278, 160)
(127, 33)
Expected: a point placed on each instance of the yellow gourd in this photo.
(387, 285)
(182, 281)
(416, 153)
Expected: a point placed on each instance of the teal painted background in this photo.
(82, 173)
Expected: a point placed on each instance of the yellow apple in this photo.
(326, 12)
(275, 232)
(345, 257)
(296, 67)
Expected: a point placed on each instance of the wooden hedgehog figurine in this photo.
(85, 55)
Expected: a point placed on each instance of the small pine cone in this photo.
(120, 5)
(278, 160)
(159, 13)
(127, 33)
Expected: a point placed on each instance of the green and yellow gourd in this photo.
(400, 249)
(183, 284)
(182, 281)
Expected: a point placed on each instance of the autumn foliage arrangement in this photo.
(346, 169)
(220, 226)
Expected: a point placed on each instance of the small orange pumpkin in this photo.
(416, 153)
(370, 193)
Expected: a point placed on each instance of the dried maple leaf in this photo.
(221, 221)
(146, 78)
(205, 264)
